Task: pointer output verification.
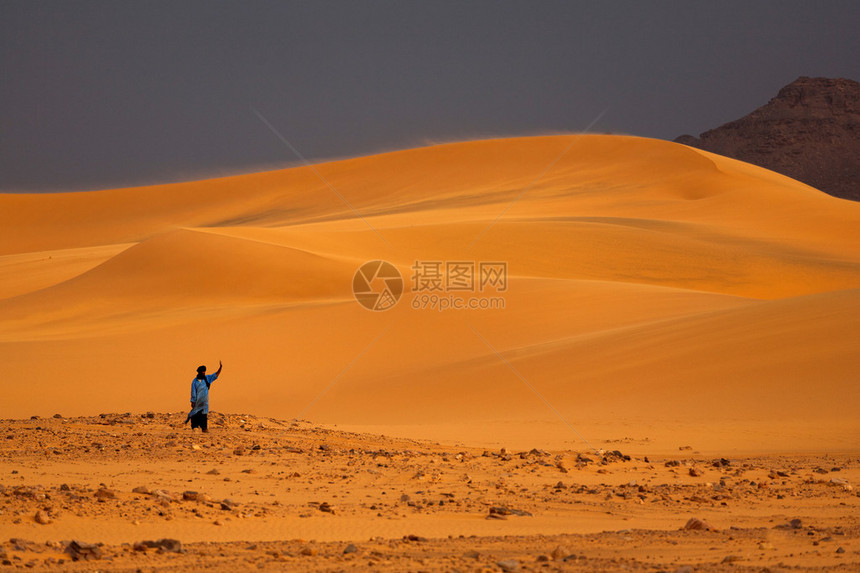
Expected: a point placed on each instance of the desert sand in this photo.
(660, 301)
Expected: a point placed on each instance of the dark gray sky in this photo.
(106, 94)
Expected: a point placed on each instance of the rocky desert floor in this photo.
(141, 492)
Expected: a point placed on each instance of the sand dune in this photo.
(648, 282)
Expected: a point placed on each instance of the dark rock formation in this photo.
(810, 131)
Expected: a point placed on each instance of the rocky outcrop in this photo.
(810, 131)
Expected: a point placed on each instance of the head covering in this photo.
(201, 369)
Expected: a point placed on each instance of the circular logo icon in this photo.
(377, 285)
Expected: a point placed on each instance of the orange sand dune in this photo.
(653, 290)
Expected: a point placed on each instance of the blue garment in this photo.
(200, 394)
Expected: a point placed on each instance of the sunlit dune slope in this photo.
(645, 280)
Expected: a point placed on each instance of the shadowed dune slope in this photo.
(645, 281)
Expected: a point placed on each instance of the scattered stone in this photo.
(228, 505)
(308, 551)
(351, 548)
(731, 558)
(695, 472)
(214, 472)
(413, 537)
(58, 416)
(840, 550)
(141, 489)
(502, 510)
(165, 545)
(150, 415)
(509, 565)
(162, 497)
(559, 553)
(495, 516)
(472, 554)
(695, 524)
(672, 464)
(42, 517)
(240, 451)
(840, 482)
(104, 493)
(80, 551)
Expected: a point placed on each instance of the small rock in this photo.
(351, 548)
(141, 489)
(172, 545)
(696, 524)
(509, 565)
(308, 551)
(240, 451)
(161, 496)
(695, 472)
(105, 493)
(840, 550)
(559, 553)
(58, 416)
(227, 505)
(731, 558)
(213, 472)
(324, 506)
(472, 554)
(795, 523)
(42, 517)
(80, 551)
(195, 447)
(167, 545)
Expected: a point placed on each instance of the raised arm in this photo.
(220, 366)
